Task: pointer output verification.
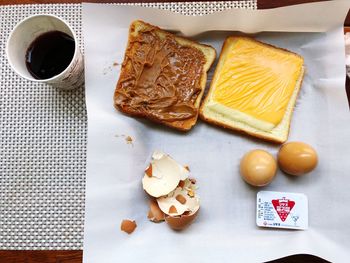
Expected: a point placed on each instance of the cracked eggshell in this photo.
(128, 226)
(155, 214)
(180, 222)
(191, 204)
(166, 175)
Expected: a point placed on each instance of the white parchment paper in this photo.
(225, 229)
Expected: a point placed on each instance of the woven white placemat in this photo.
(43, 142)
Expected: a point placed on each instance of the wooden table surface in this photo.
(75, 256)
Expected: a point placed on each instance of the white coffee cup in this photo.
(25, 32)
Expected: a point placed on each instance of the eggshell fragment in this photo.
(155, 214)
(190, 193)
(128, 226)
(297, 158)
(180, 222)
(190, 203)
(258, 167)
(166, 175)
(181, 199)
(193, 181)
(172, 210)
(181, 184)
(148, 171)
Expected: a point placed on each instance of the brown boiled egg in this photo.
(297, 158)
(258, 167)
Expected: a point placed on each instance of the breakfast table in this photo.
(75, 255)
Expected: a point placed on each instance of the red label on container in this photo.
(283, 207)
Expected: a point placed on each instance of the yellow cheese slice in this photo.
(257, 81)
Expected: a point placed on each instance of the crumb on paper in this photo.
(128, 139)
(187, 168)
(107, 70)
(128, 226)
(116, 64)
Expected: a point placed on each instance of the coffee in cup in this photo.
(44, 48)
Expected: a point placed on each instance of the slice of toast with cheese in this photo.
(254, 89)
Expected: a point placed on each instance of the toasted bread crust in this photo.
(237, 129)
(182, 125)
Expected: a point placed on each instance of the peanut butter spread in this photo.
(160, 78)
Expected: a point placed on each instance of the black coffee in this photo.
(50, 54)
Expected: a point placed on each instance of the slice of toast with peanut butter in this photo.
(163, 76)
